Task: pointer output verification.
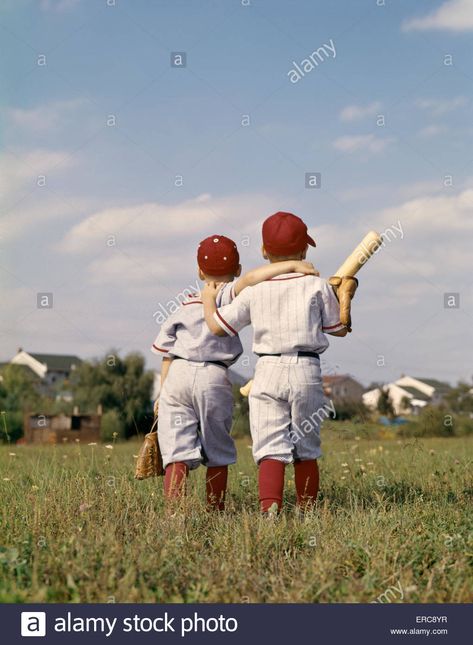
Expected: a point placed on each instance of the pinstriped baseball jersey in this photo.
(289, 313)
(185, 333)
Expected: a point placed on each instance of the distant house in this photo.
(52, 370)
(408, 394)
(50, 429)
(342, 387)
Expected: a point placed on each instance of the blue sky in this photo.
(109, 128)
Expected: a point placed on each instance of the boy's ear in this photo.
(238, 272)
(263, 251)
(304, 252)
(201, 275)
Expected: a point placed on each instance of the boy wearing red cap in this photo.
(291, 315)
(196, 401)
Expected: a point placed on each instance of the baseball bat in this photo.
(360, 255)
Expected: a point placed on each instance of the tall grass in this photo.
(76, 527)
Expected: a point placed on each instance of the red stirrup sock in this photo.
(271, 483)
(175, 480)
(306, 475)
(216, 487)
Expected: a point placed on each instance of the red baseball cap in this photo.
(218, 255)
(285, 234)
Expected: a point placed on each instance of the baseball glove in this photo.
(344, 288)
(150, 461)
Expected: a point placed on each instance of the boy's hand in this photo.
(302, 266)
(210, 291)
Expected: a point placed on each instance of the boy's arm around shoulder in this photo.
(209, 300)
(268, 271)
(229, 319)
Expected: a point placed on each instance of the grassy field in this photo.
(394, 523)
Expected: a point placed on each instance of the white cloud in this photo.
(432, 225)
(439, 107)
(22, 208)
(444, 214)
(58, 5)
(363, 193)
(142, 273)
(31, 213)
(45, 117)
(431, 131)
(454, 15)
(420, 189)
(161, 224)
(140, 269)
(377, 192)
(153, 251)
(357, 112)
(363, 142)
(20, 168)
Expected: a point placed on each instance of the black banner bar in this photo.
(370, 624)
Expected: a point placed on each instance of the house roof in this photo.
(336, 378)
(59, 362)
(440, 386)
(417, 394)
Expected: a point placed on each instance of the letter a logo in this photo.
(33, 623)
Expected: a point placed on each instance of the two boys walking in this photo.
(291, 310)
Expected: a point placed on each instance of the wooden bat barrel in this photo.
(245, 390)
(360, 254)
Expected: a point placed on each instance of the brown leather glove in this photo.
(150, 461)
(344, 289)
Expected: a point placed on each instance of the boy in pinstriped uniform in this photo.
(196, 401)
(291, 315)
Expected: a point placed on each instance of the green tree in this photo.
(350, 409)
(435, 421)
(18, 395)
(120, 384)
(112, 426)
(385, 405)
(460, 398)
(405, 404)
